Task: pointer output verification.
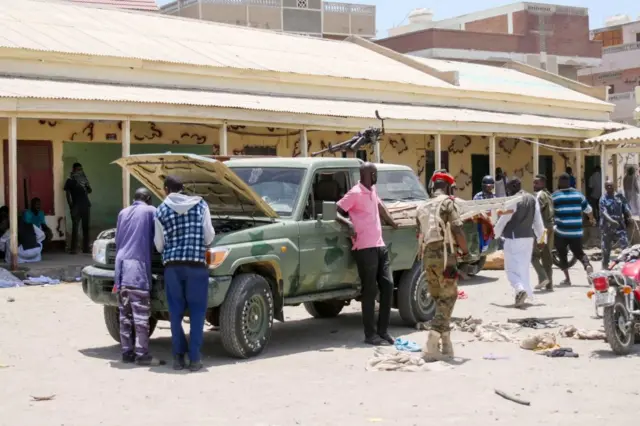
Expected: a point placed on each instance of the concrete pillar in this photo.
(223, 139)
(13, 190)
(126, 151)
(492, 155)
(437, 148)
(578, 170)
(603, 165)
(304, 142)
(536, 156)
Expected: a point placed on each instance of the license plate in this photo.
(604, 299)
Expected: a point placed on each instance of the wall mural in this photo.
(87, 132)
(60, 227)
(458, 144)
(421, 164)
(215, 149)
(463, 179)
(50, 123)
(400, 145)
(297, 152)
(150, 133)
(508, 145)
(190, 137)
(325, 145)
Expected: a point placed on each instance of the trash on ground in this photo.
(492, 357)
(511, 398)
(462, 295)
(404, 345)
(41, 280)
(539, 342)
(8, 280)
(43, 398)
(393, 360)
(11, 299)
(560, 353)
(578, 333)
(5, 366)
(532, 322)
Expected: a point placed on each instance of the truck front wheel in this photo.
(112, 321)
(414, 302)
(246, 316)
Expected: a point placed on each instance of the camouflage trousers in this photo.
(442, 284)
(608, 236)
(135, 308)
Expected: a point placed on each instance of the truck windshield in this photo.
(278, 186)
(399, 185)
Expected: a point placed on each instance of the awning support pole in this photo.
(303, 143)
(376, 149)
(492, 155)
(223, 139)
(578, 171)
(437, 154)
(126, 151)
(536, 157)
(603, 166)
(13, 191)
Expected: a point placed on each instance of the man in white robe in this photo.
(30, 239)
(519, 227)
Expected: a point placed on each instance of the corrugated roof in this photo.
(487, 78)
(123, 4)
(626, 135)
(69, 28)
(46, 89)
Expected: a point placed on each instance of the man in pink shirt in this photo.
(364, 208)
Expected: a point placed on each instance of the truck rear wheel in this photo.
(246, 316)
(414, 302)
(326, 309)
(112, 321)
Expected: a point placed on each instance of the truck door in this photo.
(326, 262)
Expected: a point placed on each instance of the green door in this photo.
(430, 164)
(479, 169)
(545, 166)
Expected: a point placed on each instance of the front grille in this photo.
(156, 258)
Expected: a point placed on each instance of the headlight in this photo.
(100, 251)
(215, 256)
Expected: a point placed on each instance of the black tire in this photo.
(249, 296)
(572, 259)
(326, 309)
(476, 267)
(621, 343)
(414, 302)
(112, 321)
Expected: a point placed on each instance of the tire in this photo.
(112, 321)
(572, 259)
(477, 267)
(246, 316)
(621, 343)
(414, 302)
(326, 309)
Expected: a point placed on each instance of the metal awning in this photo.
(629, 135)
(36, 98)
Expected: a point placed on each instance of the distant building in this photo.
(316, 18)
(620, 68)
(149, 5)
(552, 37)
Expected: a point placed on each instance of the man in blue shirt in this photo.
(35, 216)
(488, 186)
(568, 206)
(613, 212)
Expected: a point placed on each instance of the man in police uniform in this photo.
(439, 231)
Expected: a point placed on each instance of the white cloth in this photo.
(538, 225)
(595, 184)
(500, 188)
(24, 256)
(517, 258)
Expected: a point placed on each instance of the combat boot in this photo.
(447, 346)
(431, 351)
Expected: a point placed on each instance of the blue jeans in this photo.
(187, 288)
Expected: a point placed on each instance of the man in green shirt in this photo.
(542, 258)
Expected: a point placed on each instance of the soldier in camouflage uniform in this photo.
(542, 257)
(439, 230)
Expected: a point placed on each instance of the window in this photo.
(611, 89)
(303, 4)
(278, 186)
(399, 185)
(638, 37)
(609, 38)
(328, 185)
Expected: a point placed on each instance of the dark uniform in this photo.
(542, 258)
(617, 208)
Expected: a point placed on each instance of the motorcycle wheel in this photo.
(620, 335)
(556, 261)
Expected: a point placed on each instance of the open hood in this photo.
(210, 179)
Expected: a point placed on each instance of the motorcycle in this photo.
(617, 292)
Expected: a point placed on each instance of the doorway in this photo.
(545, 167)
(430, 164)
(35, 174)
(479, 169)
(590, 164)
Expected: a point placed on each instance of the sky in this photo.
(391, 13)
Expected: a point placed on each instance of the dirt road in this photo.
(53, 342)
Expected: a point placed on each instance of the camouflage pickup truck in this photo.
(277, 242)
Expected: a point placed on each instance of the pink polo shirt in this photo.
(362, 206)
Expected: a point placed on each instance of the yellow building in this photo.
(88, 84)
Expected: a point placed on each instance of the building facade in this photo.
(551, 37)
(145, 5)
(315, 18)
(620, 68)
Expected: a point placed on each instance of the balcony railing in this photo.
(626, 96)
(178, 4)
(621, 48)
(360, 9)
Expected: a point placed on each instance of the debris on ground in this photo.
(462, 295)
(41, 280)
(393, 360)
(42, 398)
(560, 353)
(490, 332)
(404, 345)
(11, 299)
(8, 280)
(494, 262)
(539, 342)
(577, 333)
(5, 366)
(532, 322)
(511, 398)
(468, 324)
(492, 357)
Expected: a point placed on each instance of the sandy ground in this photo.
(53, 342)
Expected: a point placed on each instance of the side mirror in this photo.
(329, 211)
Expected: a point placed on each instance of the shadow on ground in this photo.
(292, 337)
(478, 279)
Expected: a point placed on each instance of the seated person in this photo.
(30, 239)
(4, 226)
(35, 217)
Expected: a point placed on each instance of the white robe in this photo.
(518, 251)
(24, 256)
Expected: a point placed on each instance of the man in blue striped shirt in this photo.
(568, 206)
